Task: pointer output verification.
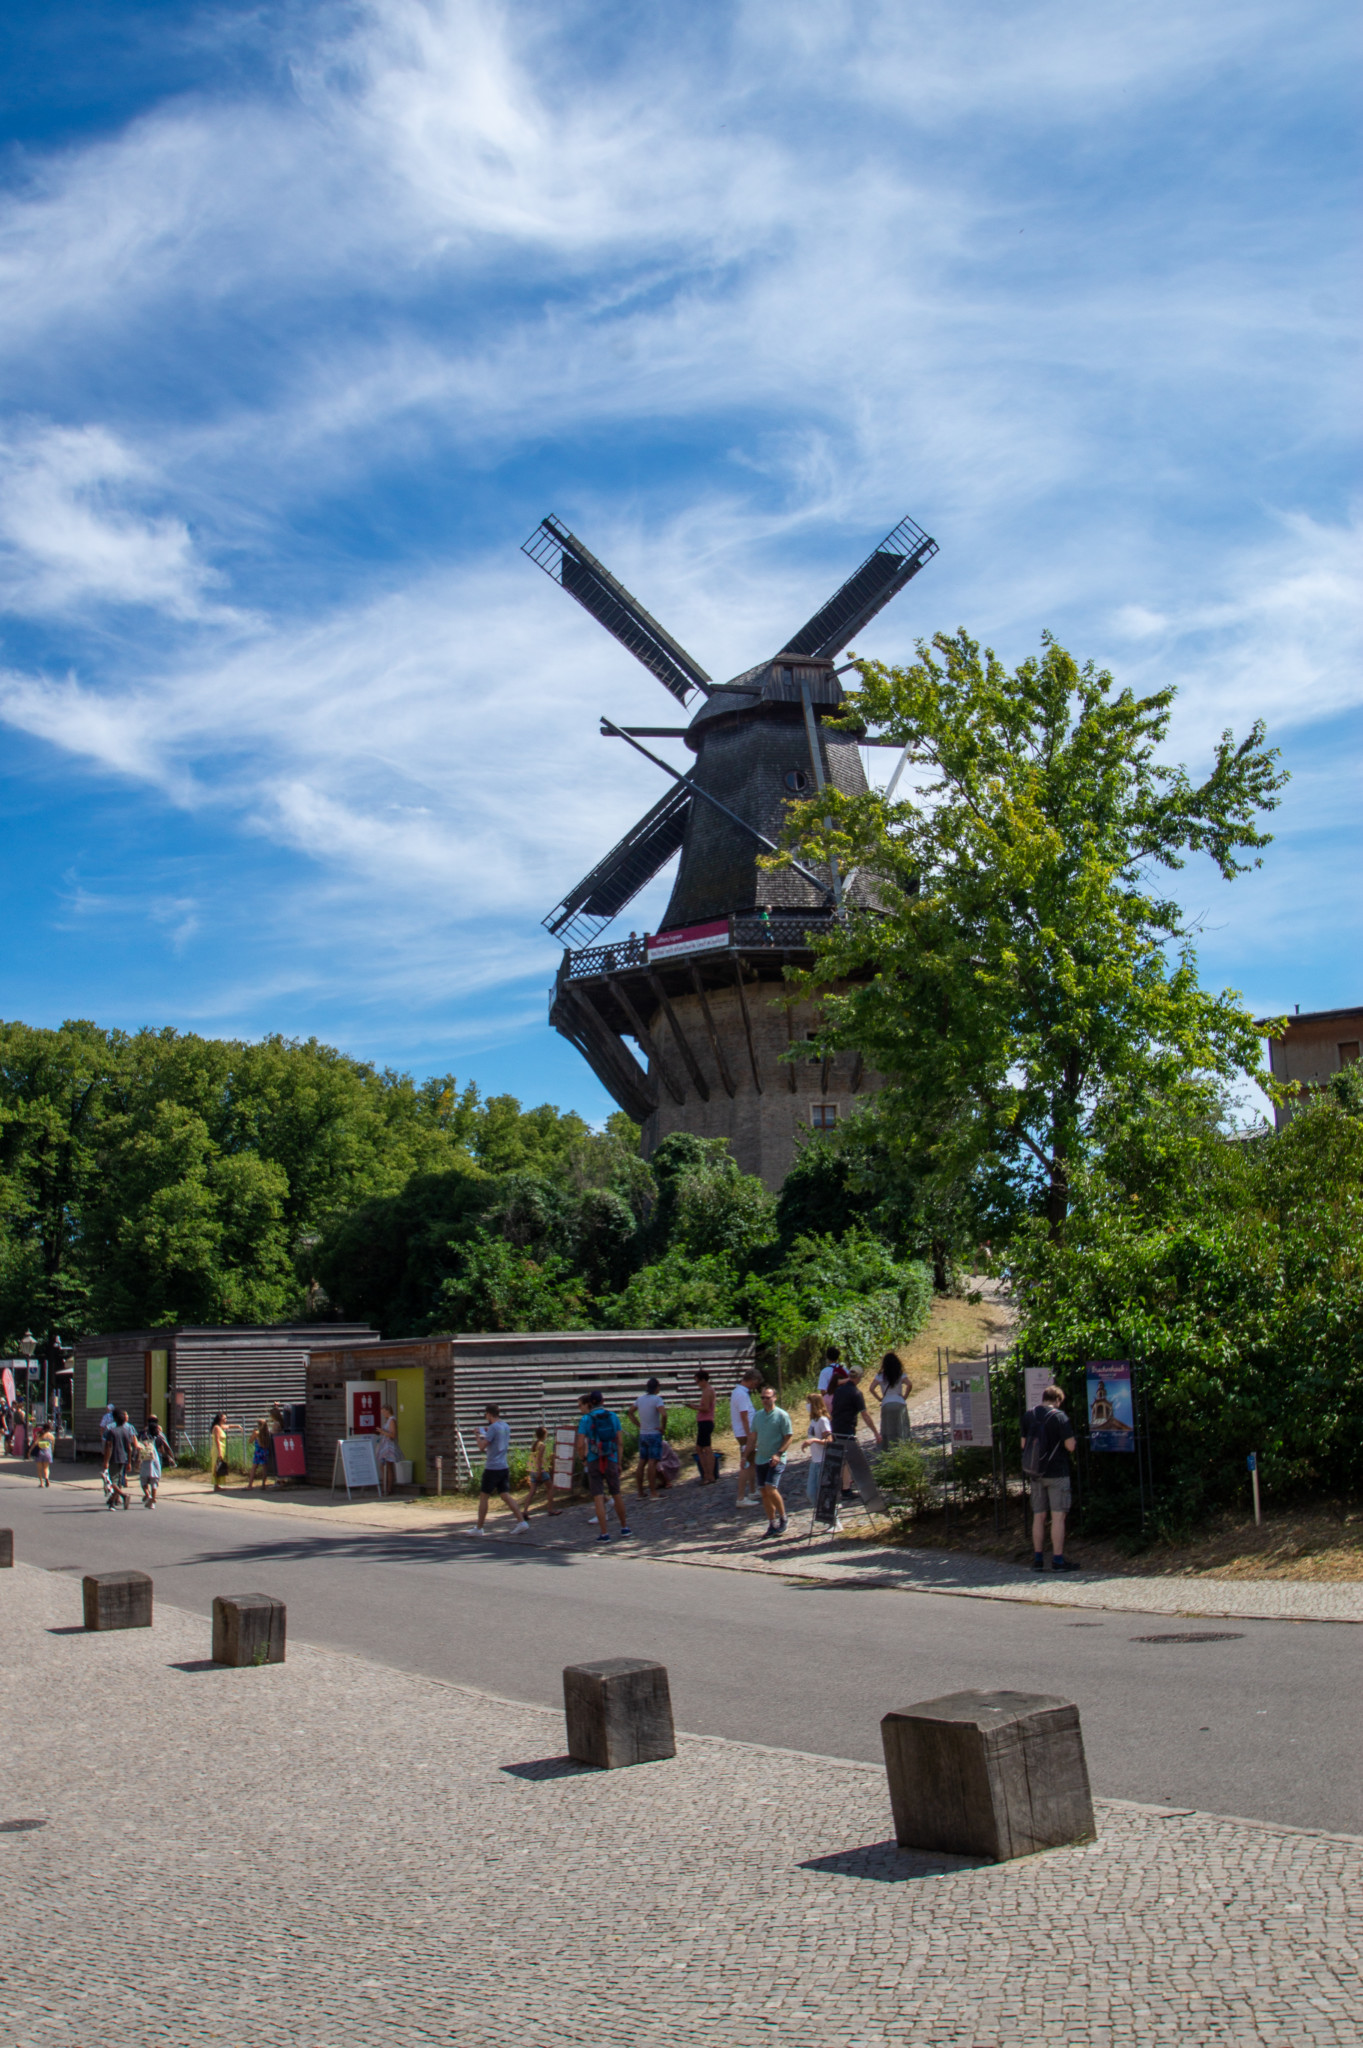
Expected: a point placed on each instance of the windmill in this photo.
(692, 995)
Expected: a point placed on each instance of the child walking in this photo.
(260, 1455)
(537, 1477)
(158, 1455)
(42, 1452)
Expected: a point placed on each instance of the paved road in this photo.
(1263, 1725)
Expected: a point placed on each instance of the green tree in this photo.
(1023, 968)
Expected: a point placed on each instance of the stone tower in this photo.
(705, 999)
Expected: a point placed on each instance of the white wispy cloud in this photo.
(832, 261)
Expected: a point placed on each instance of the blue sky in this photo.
(309, 313)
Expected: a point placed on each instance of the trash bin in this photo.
(402, 1472)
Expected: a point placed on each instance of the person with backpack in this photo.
(156, 1455)
(599, 1436)
(1047, 1441)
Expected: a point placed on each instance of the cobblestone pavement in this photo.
(329, 1853)
(700, 1525)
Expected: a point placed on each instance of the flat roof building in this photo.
(1316, 1044)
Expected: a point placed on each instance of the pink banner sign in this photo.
(7, 1382)
(689, 938)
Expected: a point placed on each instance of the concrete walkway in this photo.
(333, 1854)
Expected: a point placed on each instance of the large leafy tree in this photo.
(1028, 970)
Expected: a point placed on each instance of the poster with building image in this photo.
(1111, 1409)
(972, 1421)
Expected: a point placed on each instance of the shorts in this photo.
(495, 1479)
(607, 1481)
(770, 1473)
(1052, 1493)
(705, 1432)
(118, 1477)
(539, 1479)
(651, 1446)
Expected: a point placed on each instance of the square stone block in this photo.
(248, 1628)
(996, 1774)
(6, 1548)
(117, 1599)
(619, 1711)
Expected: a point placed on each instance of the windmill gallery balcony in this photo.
(716, 1021)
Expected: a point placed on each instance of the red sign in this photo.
(689, 938)
(365, 1403)
(290, 1461)
(7, 1382)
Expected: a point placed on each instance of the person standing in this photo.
(741, 1417)
(119, 1445)
(42, 1452)
(219, 1450)
(820, 1429)
(1047, 1442)
(892, 1385)
(704, 1405)
(260, 1455)
(599, 1434)
(386, 1449)
(849, 1409)
(495, 1438)
(651, 1416)
(771, 1439)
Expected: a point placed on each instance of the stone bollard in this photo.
(619, 1711)
(117, 1599)
(996, 1774)
(6, 1548)
(248, 1628)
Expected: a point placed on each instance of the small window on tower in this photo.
(824, 1115)
(796, 780)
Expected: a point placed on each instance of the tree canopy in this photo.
(1025, 974)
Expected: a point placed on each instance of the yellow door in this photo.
(157, 1386)
(411, 1386)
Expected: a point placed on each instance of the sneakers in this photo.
(1038, 1561)
(521, 1526)
(479, 1530)
(770, 1530)
(750, 1500)
(604, 1537)
(1063, 1564)
(626, 1530)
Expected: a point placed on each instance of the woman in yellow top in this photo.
(219, 1450)
(43, 1453)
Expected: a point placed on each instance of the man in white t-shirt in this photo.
(832, 1370)
(742, 1409)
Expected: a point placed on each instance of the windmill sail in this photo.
(900, 555)
(586, 910)
(562, 556)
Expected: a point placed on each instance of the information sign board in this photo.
(356, 1463)
(565, 1436)
(290, 1457)
(364, 1399)
(1112, 1413)
(830, 1481)
(96, 1382)
(1036, 1379)
(972, 1420)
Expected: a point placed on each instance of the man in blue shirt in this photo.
(598, 1440)
(772, 1430)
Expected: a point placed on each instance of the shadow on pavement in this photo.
(887, 1863)
(540, 1768)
